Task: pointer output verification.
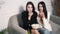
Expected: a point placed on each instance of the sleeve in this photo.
(25, 25)
(47, 25)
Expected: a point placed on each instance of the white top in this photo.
(47, 25)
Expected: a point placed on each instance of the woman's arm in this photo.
(47, 25)
(24, 18)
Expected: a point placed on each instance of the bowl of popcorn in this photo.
(35, 26)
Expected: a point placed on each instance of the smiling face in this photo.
(29, 8)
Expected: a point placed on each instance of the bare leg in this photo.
(34, 31)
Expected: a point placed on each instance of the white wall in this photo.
(11, 7)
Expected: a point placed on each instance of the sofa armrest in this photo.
(55, 19)
(14, 27)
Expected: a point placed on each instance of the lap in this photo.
(44, 31)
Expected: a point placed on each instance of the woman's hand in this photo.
(41, 14)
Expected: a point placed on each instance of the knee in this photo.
(34, 31)
(46, 31)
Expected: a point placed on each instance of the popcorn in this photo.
(35, 26)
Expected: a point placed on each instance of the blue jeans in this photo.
(44, 31)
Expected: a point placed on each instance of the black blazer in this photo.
(25, 20)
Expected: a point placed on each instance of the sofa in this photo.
(16, 28)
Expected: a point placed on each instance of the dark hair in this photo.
(44, 8)
(31, 4)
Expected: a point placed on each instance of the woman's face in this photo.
(40, 7)
(29, 8)
(41, 13)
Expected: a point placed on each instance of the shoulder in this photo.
(24, 12)
(35, 13)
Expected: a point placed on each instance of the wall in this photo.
(57, 7)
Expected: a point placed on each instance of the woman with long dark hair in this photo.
(29, 16)
(45, 27)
